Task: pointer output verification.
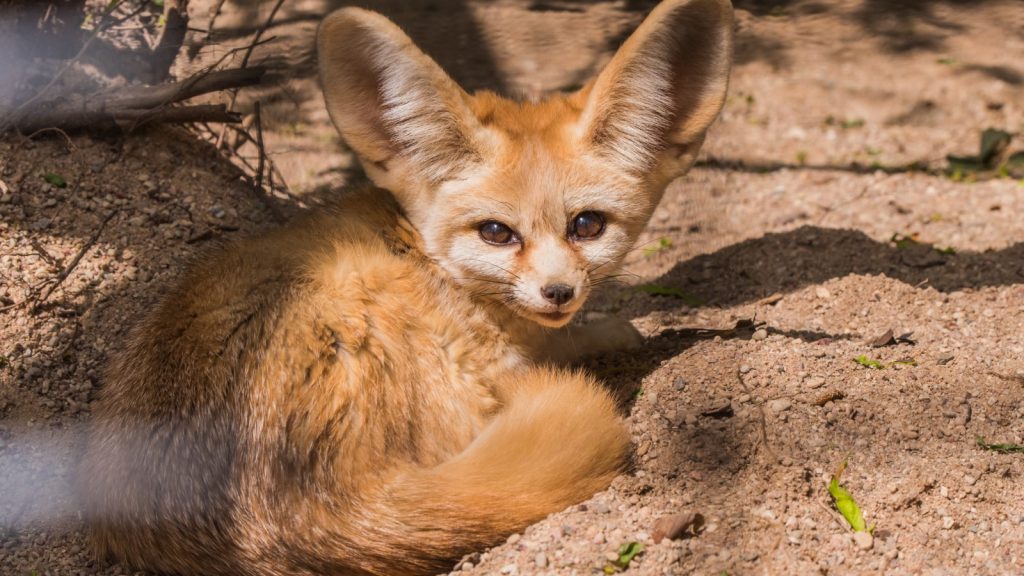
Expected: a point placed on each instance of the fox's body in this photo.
(365, 391)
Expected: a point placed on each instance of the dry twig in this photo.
(59, 279)
(245, 59)
(139, 105)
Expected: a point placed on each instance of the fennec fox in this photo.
(368, 390)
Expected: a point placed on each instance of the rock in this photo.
(970, 480)
(814, 382)
(679, 383)
(863, 540)
(541, 560)
(780, 405)
(744, 368)
(677, 526)
(822, 292)
(510, 569)
(719, 408)
(759, 334)
(601, 507)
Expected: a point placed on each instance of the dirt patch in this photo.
(832, 143)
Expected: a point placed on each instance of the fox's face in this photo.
(529, 204)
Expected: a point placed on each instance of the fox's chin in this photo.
(555, 319)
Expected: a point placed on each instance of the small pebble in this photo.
(780, 405)
(822, 292)
(744, 368)
(510, 569)
(541, 560)
(679, 383)
(970, 480)
(814, 382)
(514, 538)
(863, 540)
(759, 334)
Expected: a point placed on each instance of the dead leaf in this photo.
(884, 339)
(677, 526)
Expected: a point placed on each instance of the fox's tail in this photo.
(556, 443)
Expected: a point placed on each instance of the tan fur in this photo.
(363, 391)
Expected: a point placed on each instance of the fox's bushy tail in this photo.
(557, 442)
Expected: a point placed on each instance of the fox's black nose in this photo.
(557, 293)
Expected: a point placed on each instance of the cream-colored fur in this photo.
(367, 390)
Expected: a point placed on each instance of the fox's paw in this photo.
(606, 333)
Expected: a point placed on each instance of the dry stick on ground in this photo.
(266, 197)
(59, 279)
(8, 120)
(273, 169)
(259, 149)
(245, 60)
(261, 166)
(141, 104)
(172, 36)
(763, 420)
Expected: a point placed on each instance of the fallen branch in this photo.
(59, 279)
(136, 105)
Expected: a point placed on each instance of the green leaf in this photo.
(659, 290)
(627, 552)
(844, 502)
(905, 362)
(663, 244)
(947, 61)
(999, 448)
(868, 363)
(852, 123)
(55, 179)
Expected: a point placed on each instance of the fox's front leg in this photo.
(600, 334)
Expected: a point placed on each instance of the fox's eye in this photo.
(497, 233)
(587, 225)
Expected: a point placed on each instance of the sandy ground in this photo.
(788, 221)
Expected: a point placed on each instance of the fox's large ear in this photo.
(648, 110)
(391, 103)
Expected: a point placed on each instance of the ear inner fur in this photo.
(389, 99)
(663, 88)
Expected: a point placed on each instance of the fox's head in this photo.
(529, 203)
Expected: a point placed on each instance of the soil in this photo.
(830, 153)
